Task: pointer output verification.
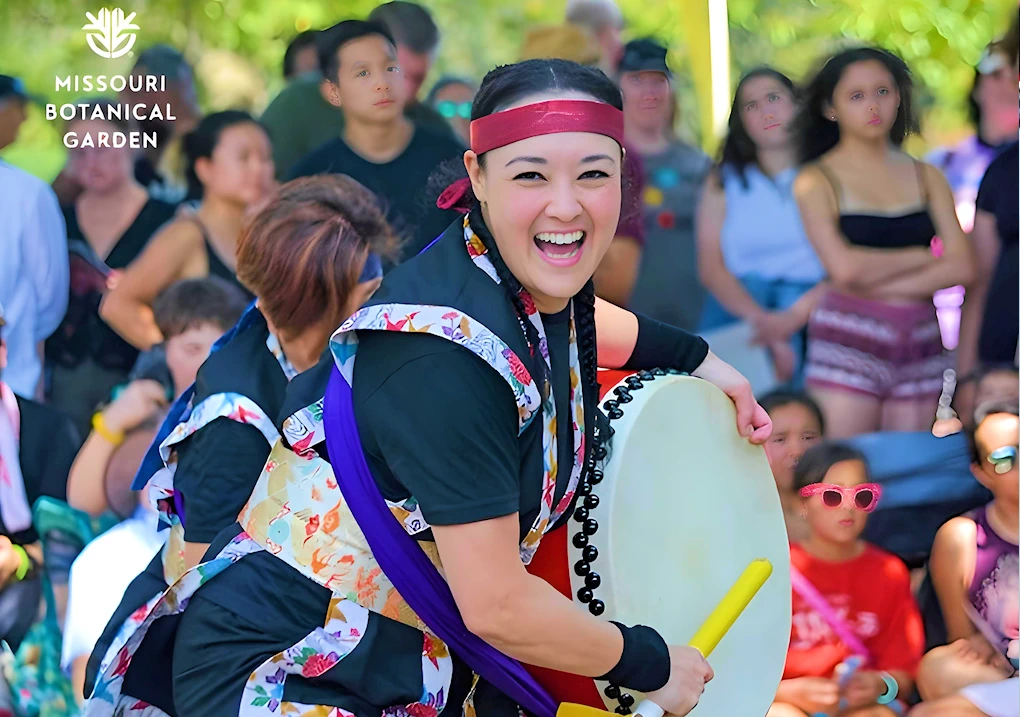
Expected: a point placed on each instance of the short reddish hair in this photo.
(303, 252)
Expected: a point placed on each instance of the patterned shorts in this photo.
(876, 349)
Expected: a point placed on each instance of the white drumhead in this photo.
(685, 505)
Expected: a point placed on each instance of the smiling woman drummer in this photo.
(457, 440)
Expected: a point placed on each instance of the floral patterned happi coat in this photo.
(298, 513)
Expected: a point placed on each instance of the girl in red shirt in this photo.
(861, 609)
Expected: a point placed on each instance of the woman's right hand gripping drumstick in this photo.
(688, 674)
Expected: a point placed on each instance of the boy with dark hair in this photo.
(380, 147)
(191, 314)
(417, 40)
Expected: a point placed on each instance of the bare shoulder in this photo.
(933, 176)
(812, 183)
(179, 236)
(955, 535)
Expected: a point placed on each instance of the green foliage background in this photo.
(238, 45)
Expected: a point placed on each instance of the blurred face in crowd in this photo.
(415, 67)
(369, 87)
(179, 93)
(12, 116)
(647, 100)
(306, 61)
(843, 524)
(611, 44)
(865, 100)
(794, 429)
(996, 439)
(767, 108)
(997, 91)
(999, 385)
(187, 351)
(240, 169)
(99, 169)
(453, 102)
(552, 203)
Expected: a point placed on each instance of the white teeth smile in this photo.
(552, 238)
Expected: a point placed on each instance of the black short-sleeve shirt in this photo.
(417, 400)
(400, 184)
(998, 196)
(217, 467)
(440, 424)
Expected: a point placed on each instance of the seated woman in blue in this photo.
(753, 255)
(470, 430)
(331, 231)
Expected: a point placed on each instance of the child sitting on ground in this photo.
(974, 567)
(797, 424)
(857, 635)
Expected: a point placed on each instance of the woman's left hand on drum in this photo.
(753, 423)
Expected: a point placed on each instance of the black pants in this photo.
(19, 609)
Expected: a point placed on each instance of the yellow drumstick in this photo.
(730, 607)
(705, 639)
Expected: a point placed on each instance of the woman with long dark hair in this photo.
(231, 168)
(875, 357)
(753, 255)
(464, 362)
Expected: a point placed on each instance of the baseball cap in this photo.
(645, 55)
(14, 87)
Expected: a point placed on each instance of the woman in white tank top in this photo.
(753, 255)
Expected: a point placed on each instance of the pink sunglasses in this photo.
(862, 497)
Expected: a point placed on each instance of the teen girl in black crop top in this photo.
(230, 165)
(875, 355)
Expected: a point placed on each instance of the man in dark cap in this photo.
(667, 286)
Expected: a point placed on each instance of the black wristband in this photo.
(660, 345)
(644, 664)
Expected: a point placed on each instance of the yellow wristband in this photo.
(24, 564)
(100, 427)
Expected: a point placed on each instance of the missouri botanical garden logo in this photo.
(111, 34)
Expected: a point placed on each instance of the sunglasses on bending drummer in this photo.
(450, 109)
(1003, 459)
(862, 497)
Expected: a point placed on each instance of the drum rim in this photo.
(576, 526)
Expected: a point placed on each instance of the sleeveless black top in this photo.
(216, 265)
(884, 231)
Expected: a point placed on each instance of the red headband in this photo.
(503, 128)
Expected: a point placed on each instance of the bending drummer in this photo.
(218, 448)
(473, 422)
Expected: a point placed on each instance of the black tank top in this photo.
(883, 231)
(216, 265)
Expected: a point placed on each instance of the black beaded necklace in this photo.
(590, 477)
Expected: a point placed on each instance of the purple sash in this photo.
(405, 563)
